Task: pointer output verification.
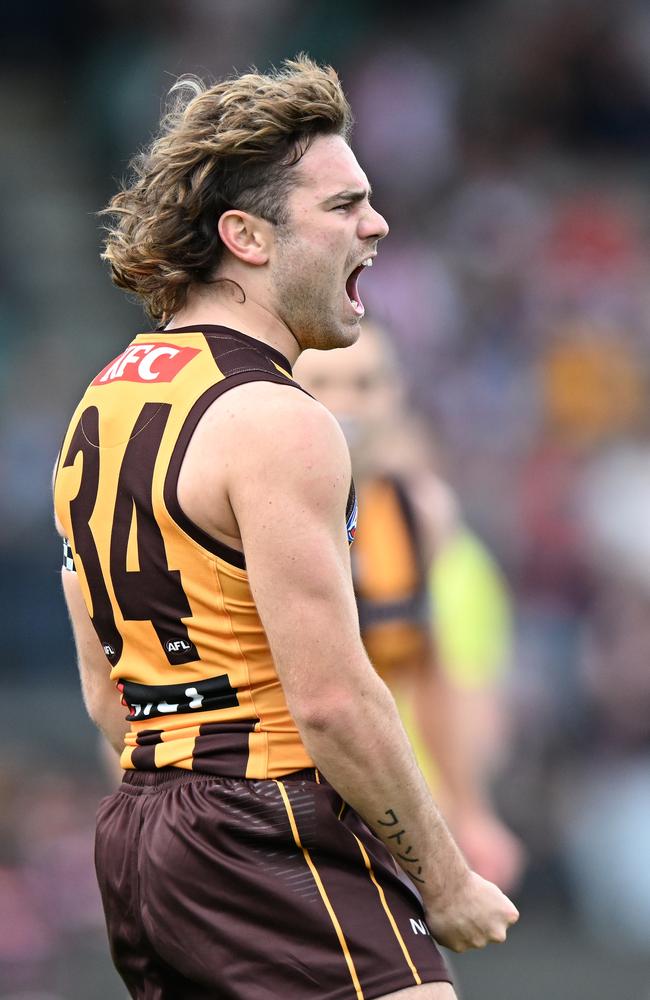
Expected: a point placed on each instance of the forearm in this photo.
(99, 693)
(363, 751)
(108, 714)
(110, 760)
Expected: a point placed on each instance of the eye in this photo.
(343, 207)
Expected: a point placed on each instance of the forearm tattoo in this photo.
(407, 854)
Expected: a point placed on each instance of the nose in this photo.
(372, 225)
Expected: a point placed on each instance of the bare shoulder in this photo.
(262, 443)
(265, 424)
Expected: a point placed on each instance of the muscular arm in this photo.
(288, 484)
(99, 694)
(100, 697)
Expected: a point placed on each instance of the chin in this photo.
(332, 337)
(349, 332)
(354, 332)
(345, 338)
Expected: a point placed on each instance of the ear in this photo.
(246, 236)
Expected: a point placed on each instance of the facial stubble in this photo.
(308, 296)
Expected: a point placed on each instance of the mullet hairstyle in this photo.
(231, 145)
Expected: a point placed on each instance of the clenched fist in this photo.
(477, 914)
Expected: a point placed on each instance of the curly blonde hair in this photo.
(226, 146)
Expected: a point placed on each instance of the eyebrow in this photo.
(349, 196)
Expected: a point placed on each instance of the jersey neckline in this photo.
(272, 352)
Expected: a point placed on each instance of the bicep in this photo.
(299, 572)
(291, 517)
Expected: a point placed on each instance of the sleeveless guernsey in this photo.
(171, 605)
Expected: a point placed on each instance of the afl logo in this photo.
(108, 649)
(178, 646)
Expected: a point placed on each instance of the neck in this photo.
(221, 305)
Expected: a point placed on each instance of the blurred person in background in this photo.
(244, 230)
(433, 609)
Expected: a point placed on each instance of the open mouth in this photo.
(352, 287)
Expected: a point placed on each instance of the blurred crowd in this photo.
(508, 145)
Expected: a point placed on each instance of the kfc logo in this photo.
(146, 363)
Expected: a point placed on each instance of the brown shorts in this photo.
(229, 889)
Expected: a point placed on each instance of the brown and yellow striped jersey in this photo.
(171, 605)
